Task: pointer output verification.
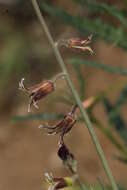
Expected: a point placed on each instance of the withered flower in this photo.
(77, 43)
(67, 157)
(39, 91)
(59, 182)
(64, 126)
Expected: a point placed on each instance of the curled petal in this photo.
(88, 49)
(77, 43)
(49, 178)
(87, 41)
(63, 126)
(84, 48)
(22, 86)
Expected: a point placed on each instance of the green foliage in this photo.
(109, 134)
(94, 64)
(12, 61)
(44, 117)
(97, 27)
(122, 98)
(99, 7)
(116, 120)
(119, 102)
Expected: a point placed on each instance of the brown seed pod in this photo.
(40, 90)
(37, 91)
(77, 44)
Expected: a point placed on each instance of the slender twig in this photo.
(101, 184)
(87, 121)
(81, 185)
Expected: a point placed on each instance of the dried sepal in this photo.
(77, 43)
(40, 90)
(22, 86)
(49, 178)
(63, 126)
(67, 157)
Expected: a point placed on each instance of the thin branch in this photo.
(75, 94)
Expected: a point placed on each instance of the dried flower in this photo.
(40, 90)
(77, 43)
(59, 182)
(67, 157)
(37, 91)
(64, 152)
(63, 126)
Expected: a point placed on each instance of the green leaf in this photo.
(109, 134)
(100, 7)
(44, 116)
(116, 120)
(122, 98)
(94, 64)
(85, 25)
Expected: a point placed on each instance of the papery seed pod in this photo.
(40, 90)
(64, 126)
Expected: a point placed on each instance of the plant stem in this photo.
(87, 121)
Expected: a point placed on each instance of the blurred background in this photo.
(26, 152)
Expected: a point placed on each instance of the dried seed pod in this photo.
(37, 91)
(64, 126)
(77, 43)
(40, 90)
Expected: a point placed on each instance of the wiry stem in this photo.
(87, 121)
(59, 76)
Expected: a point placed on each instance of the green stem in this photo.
(88, 123)
(109, 135)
